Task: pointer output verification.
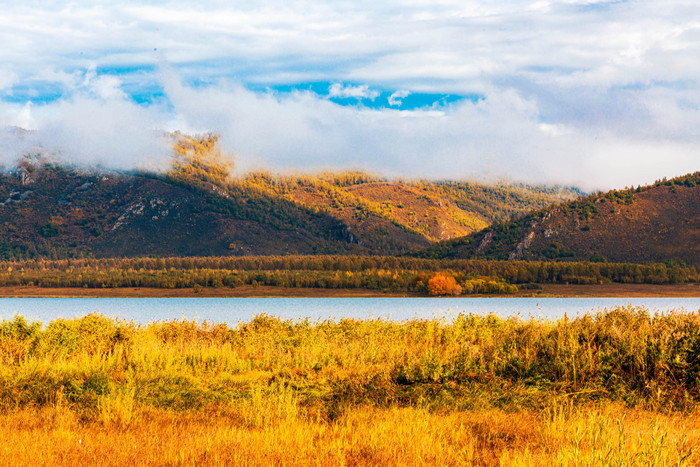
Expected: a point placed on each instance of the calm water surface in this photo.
(235, 310)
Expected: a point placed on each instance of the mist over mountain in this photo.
(502, 134)
(195, 207)
(189, 203)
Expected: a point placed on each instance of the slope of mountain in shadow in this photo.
(57, 212)
(659, 222)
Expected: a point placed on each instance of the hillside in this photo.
(659, 222)
(373, 207)
(57, 212)
(196, 208)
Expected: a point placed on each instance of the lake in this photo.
(235, 310)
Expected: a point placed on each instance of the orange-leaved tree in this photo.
(443, 284)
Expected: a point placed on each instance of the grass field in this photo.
(618, 388)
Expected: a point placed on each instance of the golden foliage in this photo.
(443, 284)
(199, 159)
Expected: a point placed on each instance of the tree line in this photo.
(369, 272)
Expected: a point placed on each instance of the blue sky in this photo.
(593, 93)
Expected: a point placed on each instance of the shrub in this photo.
(443, 284)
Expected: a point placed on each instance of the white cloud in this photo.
(96, 126)
(501, 136)
(24, 118)
(397, 97)
(108, 132)
(397, 41)
(8, 78)
(573, 90)
(106, 87)
(349, 91)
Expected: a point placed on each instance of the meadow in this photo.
(618, 387)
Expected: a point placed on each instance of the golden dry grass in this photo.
(595, 436)
(619, 388)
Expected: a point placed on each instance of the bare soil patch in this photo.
(615, 290)
(240, 291)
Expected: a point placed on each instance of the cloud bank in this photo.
(595, 93)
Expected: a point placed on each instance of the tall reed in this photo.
(344, 382)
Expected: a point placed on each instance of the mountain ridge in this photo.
(53, 210)
(658, 222)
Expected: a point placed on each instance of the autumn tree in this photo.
(443, 284)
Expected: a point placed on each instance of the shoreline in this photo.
(545, 290)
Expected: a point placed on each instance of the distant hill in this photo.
(49, 210)
(660, 222)
(373, 207)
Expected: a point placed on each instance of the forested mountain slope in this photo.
(660, 222)
(196, 208)
(432, 210)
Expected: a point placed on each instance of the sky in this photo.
(597, 94)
